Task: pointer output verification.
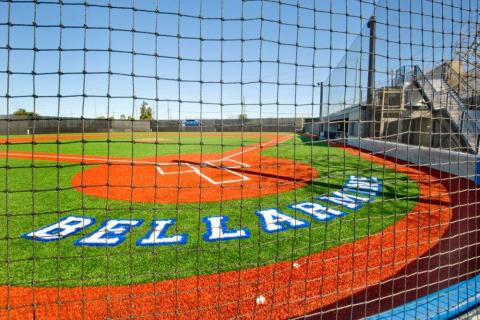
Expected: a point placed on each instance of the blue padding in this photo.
(443, 304)
(477, 179)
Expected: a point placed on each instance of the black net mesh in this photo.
(238, 159)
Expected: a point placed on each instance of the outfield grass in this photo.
(35, 195)
(142, 145)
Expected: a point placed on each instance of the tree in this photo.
(243, 117)
(105, 118)
(23, 112)
(20, 112)
(130, 118)
(122, 117)
(146, 112)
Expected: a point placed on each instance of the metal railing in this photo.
(424, 83)
(413, 73)
(461, 87)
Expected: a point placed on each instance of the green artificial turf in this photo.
(123, 146)
(36, 196)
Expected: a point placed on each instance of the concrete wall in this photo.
(457, 163)
(330, 129)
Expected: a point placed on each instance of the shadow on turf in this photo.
(388, 191)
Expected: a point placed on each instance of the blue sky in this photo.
(329, 34)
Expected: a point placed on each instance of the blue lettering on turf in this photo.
(110, 233)
(317, 211)
(273, 220)
(371, 185)
(345, 200)
(157, 235)
(61, 229)
(217, 230)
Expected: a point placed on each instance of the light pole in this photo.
(320, 115)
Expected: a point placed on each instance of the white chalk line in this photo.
(257, 147)
(223, 167)
(61, 157)
(158, 165)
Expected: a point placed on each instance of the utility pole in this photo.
(371, 61)
(320, 114)
(369, 114)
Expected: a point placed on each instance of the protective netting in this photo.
(239, 159)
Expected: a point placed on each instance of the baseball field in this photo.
(89, 214)
(54, 178)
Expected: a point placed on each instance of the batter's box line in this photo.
(204, 176)
(159, 166)
(239, 166)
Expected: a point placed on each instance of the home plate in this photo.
(214, 171)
